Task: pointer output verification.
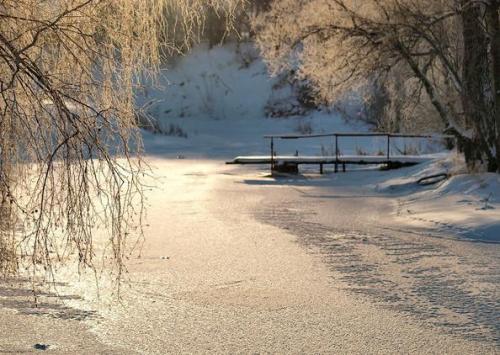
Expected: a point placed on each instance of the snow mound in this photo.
(466, 205)
(486, 186)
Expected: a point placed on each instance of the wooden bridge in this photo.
(290, 163)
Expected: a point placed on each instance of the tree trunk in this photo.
(8, 262)
(493, 25)
(4, 173)
(478, 153)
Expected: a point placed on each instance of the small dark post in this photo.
(321, 169)
(343, 167)
(388, 147)
(336, 153)
(272, 154)
(336, 147)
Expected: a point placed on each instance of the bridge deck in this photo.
(343, 159)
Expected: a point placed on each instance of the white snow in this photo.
(466, 205)
(218, 98)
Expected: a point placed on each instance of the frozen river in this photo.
(236, 262)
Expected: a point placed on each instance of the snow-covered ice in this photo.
(237, 261)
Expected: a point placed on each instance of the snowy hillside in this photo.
(215, 102)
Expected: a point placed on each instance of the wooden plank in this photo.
(359, 134)
(346, 159)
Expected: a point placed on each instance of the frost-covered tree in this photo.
(69, 145)
(437, 59)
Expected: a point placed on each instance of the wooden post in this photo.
(321, 169)
(388, 147)
(343, 167)
(272, 154)
(336, 147)
(336, 153)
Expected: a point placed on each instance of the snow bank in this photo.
(466, 205)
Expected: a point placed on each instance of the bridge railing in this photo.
(338, 135)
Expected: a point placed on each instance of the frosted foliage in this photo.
(67, 75)
(342, 46)
(185, 21)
